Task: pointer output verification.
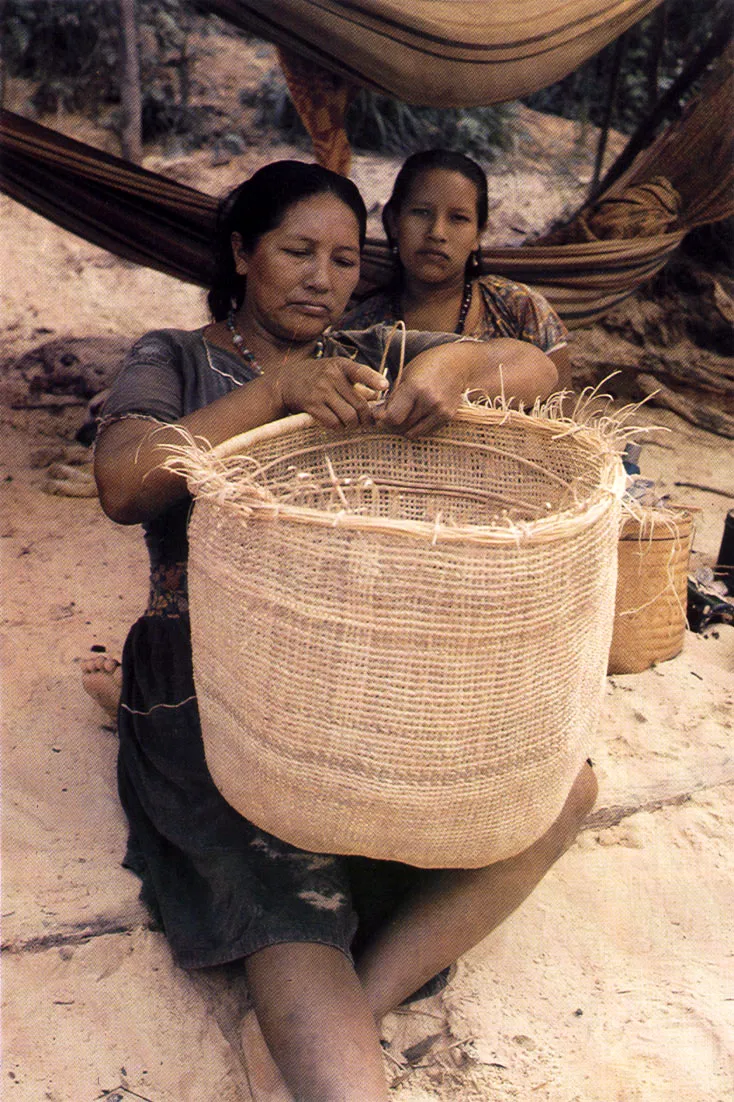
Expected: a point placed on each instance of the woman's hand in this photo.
(134, 486)
(427, 395)
(333, 390)
(433, 382)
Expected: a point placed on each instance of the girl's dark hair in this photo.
(258, 206)
(428, 159)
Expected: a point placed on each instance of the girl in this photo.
(434, 221)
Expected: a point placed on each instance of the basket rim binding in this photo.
(209, 475)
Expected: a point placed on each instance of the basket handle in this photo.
(239, 445)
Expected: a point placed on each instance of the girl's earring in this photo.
(394, 251)
(476, 262)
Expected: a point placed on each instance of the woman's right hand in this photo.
(134, 486)
(333, 390)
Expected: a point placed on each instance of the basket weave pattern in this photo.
(400, 646)
(652, 590)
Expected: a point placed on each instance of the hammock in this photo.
(138, 215)
(165, 225)
(440, 53)
(581, 281)
(157, 222)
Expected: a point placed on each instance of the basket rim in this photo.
(468, 413)
(547, 529)
(655, 525)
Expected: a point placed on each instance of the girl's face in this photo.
(437, 228)
(301, 275)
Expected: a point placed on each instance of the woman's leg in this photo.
(456, 909)
(318, 1026)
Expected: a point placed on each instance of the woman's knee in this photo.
(579, 803)
(582, 796)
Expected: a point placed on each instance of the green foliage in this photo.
(71, 50)
(655, 52)
(378, 122)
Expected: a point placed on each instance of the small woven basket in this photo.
(652, 589)
(400, 645)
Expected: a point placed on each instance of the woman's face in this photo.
(301, 275)
(436, 228)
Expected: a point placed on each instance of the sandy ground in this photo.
(613, 982)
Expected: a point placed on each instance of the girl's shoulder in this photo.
(376, 308)
(503, 287)
(512, 309)
(510, 296)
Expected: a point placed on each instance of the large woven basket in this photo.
(400, 645)
(652, 589)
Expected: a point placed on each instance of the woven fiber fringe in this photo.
(652, 590)
(400, 646)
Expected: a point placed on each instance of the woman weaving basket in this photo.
(328, 944)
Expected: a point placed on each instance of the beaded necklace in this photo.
(249, 357)
(463, 310)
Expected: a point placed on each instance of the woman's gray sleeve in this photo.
(368, 345)
(150, 383)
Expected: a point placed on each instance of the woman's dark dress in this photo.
(220, 887)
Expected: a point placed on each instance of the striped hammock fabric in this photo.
(440, 53)
(582, 281)
(164, 225)
(167, 226)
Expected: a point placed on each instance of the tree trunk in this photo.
(130, 132)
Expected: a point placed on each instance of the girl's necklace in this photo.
(465, 304)
(463, 310)
(249, 357)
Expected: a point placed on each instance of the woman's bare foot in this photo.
(102, 679)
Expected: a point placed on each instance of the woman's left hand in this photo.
(427, 396)
(433, 383)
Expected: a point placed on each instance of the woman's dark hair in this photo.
(428, 159)
(258, 206)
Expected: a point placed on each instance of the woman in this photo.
(321, 976)
(434, 220)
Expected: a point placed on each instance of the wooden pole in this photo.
(130, 99)
(620, 48)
